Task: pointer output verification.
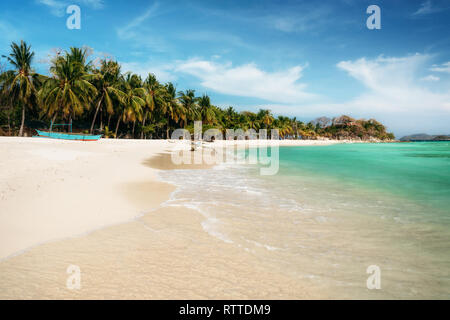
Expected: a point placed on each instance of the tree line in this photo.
(96, 97)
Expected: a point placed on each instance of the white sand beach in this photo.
(57, 189)
(97, 205)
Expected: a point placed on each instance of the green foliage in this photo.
(19, 84)
(107, 133)
(98, 94)
(69, 92)
(149, 129)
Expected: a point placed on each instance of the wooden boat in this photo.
(68, 136)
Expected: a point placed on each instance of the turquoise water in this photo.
(333, 211)
(418, 172)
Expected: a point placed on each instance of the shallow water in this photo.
(333, 211)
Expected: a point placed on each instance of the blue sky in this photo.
(298, 58)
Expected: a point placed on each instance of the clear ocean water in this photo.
(333, 211)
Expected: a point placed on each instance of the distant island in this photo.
(426, 137)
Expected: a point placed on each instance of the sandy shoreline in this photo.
(58, 189)
(97, 205)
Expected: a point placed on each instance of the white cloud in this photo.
(300, 20)
(163, 72)
(248, 80)
(245, 81)
(430, 78)
(394, 94)
(393, 85)
(445, 67)
(425, 8)
(127, 31)
(58, 7)
(386, 76)
(96, 4)
(297, 16)
(428, 7)
(395, 91)
(140, 35)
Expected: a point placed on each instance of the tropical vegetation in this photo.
(95, 96)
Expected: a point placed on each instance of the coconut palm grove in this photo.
(96, 97)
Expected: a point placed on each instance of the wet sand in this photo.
(163, 255)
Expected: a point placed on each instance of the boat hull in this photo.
(68, 136)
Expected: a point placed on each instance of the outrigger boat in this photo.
(67, 136)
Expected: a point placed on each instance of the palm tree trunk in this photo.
(95, 115)
(143, 124)
(134, 126)
(23, 121)
(53, 120)
(9, 117)
(117, 126)
(109, 121)
(167, 132)
(9, 124)
(101, 120)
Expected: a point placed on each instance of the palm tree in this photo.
(107, 82)
(6, 100)
(251, 120)
(294, 125)
(170, 106)
(80, 55)
(206, 112)
(68, 92)
(229, 117)
(179, 114)
(153, 98)
(133, 100)
(266, 118)
(189, 102)
(283, 124)
(21, 83)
